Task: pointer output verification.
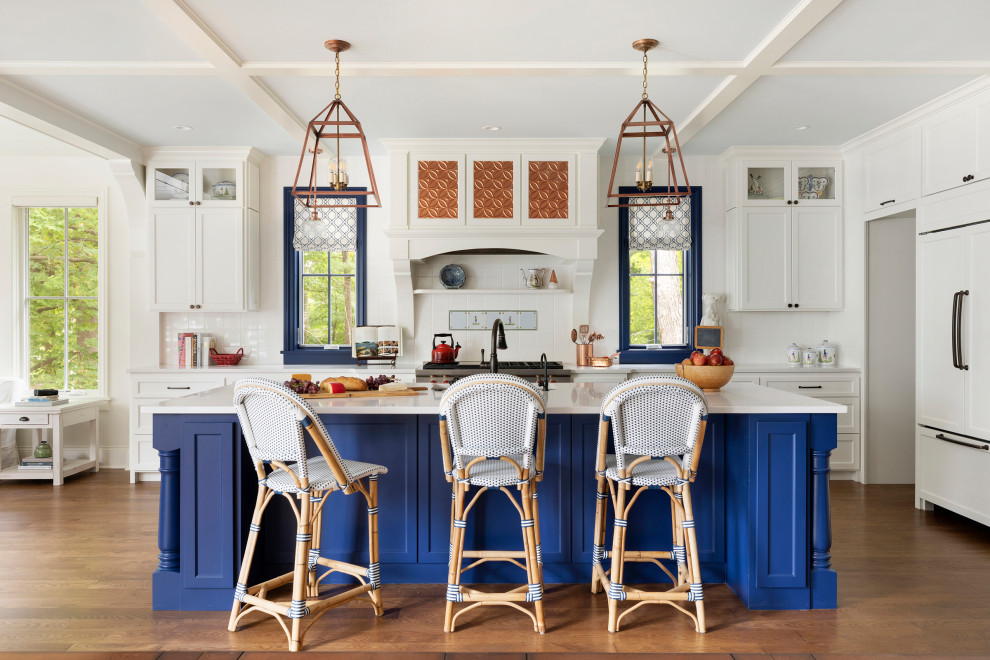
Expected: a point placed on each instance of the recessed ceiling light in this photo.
(800, 128)
(183, 128)
(492, 128)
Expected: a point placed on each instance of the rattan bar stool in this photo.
(489, 427)
(272, 420)
(658, 425)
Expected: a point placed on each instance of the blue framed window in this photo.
(324, 293)
(659, 291)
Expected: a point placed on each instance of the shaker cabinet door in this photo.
(173, 258)
(816, 263)
(763, 264)
(220, 277)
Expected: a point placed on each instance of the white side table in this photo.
(57, 418)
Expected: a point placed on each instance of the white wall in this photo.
(59, 176)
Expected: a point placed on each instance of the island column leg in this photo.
(168, 512)
(823, 578)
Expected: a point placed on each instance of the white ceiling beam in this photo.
(976, 68)
(28, 109)
(431, 69)
(74, 68)
(481, 69)
(189, 27)
(785, 35)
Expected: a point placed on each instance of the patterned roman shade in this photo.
(336, 229)
(649, 231)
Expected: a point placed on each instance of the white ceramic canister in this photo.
(827, 355)
(810, 357)
(793, 355)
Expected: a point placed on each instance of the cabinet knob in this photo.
(795, 202)
(795, 304)
(190, 202)
(790, 305)
(192, 307)
(198, 203)
(789, 202)
(198, 306)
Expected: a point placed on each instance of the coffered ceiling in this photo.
(113, 76)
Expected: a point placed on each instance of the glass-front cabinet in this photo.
(196, 184)
(790, 183)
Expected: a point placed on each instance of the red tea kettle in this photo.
(444, 353)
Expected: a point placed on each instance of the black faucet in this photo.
(498, 333)
(546, 372)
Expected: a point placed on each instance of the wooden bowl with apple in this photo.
(709, 372)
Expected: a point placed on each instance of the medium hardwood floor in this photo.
(76, 564)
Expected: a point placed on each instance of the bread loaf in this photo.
(349, 382)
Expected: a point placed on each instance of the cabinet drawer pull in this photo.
(809, 387)
(960, 442)
(169, 387)
(24, 419)
(889, 201)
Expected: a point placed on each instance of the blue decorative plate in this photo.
(452, 276)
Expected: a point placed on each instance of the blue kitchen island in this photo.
(761, 498)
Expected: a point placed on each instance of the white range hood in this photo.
(553, 207)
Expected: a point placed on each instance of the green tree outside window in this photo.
(62, 297)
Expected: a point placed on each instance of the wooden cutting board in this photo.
(364, 393)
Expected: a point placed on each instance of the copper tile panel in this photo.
(548, 188)
(493, 189)
(438, 188)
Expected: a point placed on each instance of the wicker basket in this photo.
(708, 377)
(226, 359)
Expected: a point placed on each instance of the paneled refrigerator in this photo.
(952, 443)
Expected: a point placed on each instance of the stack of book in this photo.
(194, 349)
(43, 398)
(31, 463)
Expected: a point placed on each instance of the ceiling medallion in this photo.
(326, 127)
(654, 125)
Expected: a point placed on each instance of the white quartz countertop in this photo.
(562, 399)
(335, 369)
(740, 368)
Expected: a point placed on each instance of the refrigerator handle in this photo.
(962, 365)
(955, 341)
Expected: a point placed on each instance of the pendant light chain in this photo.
(645, 95)
(336, 73)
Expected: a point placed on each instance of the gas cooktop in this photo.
(503, 365)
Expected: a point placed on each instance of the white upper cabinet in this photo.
(783, 229)
(204, 233)
(955, 145)
(808, 182)
(893, 169)
(784, 259)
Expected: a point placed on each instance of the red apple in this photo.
(699, 359)
(727, 361)
(697, 352)
(716, 351)
(715, 360)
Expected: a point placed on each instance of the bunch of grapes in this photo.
(300, 386)
(375, 381)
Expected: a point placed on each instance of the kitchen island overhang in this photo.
(761, 499)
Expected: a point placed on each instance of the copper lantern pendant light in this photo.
(655, 125)
(327, 126)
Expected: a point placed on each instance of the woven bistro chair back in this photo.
(272, 418)
(492, 415)
(655, 416)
